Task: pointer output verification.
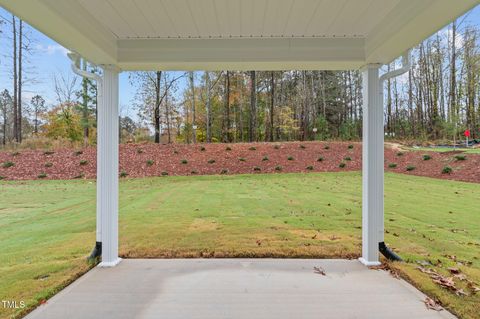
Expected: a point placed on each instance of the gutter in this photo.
(76, 59)
(406, 65)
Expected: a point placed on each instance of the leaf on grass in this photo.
(432, 304)
(319, 270)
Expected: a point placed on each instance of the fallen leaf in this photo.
(432, 304)
(319, 270)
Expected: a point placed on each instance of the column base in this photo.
(369, 263)
(109, 264)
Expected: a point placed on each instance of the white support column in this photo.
(373, 166)
(107, 167)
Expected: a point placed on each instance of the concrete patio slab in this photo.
(237, 288)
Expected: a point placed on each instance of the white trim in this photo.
(109, 264)
(369, 263)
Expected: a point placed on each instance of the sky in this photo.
(50, 58)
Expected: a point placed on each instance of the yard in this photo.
(48, 226)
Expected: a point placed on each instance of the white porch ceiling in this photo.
(238, 34)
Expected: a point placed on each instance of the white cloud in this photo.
(52, 49)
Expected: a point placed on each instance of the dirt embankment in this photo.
(142, 160)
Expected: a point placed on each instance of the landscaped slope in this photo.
(143, 160)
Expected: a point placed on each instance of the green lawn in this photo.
(446, 149)
(48, 226)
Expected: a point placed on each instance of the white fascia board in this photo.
(241, 54)
(69, 24)
(410, 23)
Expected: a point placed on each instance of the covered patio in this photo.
(245, 35)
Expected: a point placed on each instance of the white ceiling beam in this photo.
(69, 24)
(241, 53)
(409, 23)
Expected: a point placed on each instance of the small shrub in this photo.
(123, 174)
(320, 159)
(175, 152)
(150, 162)
(48, 152)
(310, 168)
(460, 157)
(326, 147)
(48, 164)
(426, 157)
(400, 153)
(410, 168)
(8, 164)
(228, 148)
(81, 175)
(15, 153)
(302, 146)
(277, 147)
(42, 175)
(290, 158)
(184, 161)
(392, 165)
(447, 170)
(350, 146)
(2, 177)
(347, 158)
(139, 151)
(83, 162)
(77, 153)
(241, 159)
(342, 165)
(203, 149)
(164, 173)
(278, 168)
(224, 171)
(257, 169)
(265, 159)
(194, 172)
(211, 161)
(253, 148)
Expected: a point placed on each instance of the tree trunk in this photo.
(208, 107)
(15, 81)
(158, 76)
(19, 100)
(192, 85)
(253, 108)
(84, 106)
(272, 104)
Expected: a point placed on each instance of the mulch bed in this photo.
(143, 160)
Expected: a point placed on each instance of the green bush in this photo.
(184, 161)
(150, 162)
(241, 159)
(253, 148)
(164, 173)
(410, 168)
(320, 159)
(400, 153)
(342, 165)
(347, 158)
(83, 162)
(265, 159)
(447, 170)
(302, 146)
(426, 157)
(257, 169)
(2, 177)
(228, 148)
(81, 175)
(42, 175)
(278, 168)
(290, 158)
(175, 152)
(350, 146)
(203, 149)
(8, 164)
(48, 164)
(194, 172)
(224, 171)
(15, 153)
(460, 157)
(48, 152)
(211, 161)
(139, 151)
(77, 153)
(392, 165)
(123, 174)
(310, 168)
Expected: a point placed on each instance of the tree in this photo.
(5, 107)
(252, 123)
(38, 108)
